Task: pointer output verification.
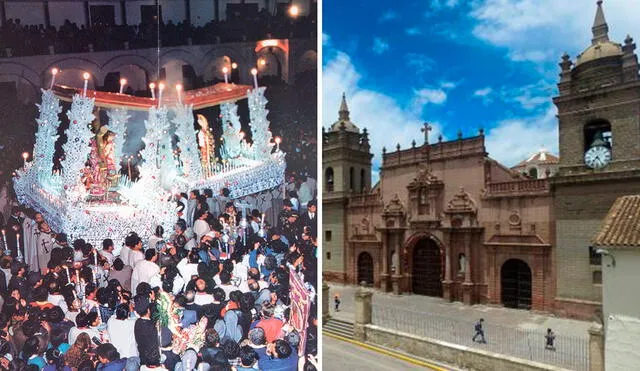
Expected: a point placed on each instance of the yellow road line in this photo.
(386, 352)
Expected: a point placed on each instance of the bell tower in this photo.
(346, 170)
(599, 138)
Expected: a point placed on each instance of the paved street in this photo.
(340, 355)
(512, 332)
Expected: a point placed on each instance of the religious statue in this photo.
(101, 159)
(206, 144)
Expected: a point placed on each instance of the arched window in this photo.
(533, 173)
(363, 184)
(328, 179)
(351, 179)
(597, 130)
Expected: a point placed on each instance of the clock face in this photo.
(597, 157)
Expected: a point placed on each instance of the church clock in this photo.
(598, 155)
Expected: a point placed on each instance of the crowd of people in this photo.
(18, 39)
(213, 294)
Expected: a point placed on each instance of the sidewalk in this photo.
(492, 315)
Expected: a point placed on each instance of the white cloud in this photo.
(449, 84)
(420, 63)
(386, 119)
(452, 3)
(389, 15)
(526, 27)
(413, 31)
(486, 94)
(422, 97)
(531, 56)
(530, 96)
(513, 140)
(380, 46)
(326, 39)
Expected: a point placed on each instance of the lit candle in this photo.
(85, 76)
(225, 70)
(129, 166)
(152, 87)
(4, 239)
(54, 72)
(160, 89)
(18, 243)
(179, 90)
(68, 276)
(278, 140)
(123, 82)
(77, 276)
(25, 156)
(262, 221)
(254, 72)
(95, 258)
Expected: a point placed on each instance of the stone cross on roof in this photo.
(426, 128)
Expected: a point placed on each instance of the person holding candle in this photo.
(14, 228)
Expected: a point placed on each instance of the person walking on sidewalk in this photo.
(479, 331)
(550, 339)
(336, 303)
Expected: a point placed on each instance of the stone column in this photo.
(123, 12)
(363, 313)
(384, 277)
(467, 285)
(396, 279)
(47, 15)
(596, 347)
(446, 284)
(325, 302)
(187, 10)
(87, 14)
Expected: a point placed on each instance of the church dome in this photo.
(344, 121)
(599, 50)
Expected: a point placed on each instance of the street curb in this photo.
(386, 352)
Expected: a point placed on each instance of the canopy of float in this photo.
(200, 98)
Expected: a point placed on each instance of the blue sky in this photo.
(460, 65)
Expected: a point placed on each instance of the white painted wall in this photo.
(28, 12)
(615, 289)
(621, 343)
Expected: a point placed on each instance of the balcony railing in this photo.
(529, 186)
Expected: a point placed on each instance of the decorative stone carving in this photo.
(394, 206)
(462, 210)
(365, 225)
(515, 221)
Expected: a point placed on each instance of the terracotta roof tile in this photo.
(621, 227)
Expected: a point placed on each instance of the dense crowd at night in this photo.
(18, 39)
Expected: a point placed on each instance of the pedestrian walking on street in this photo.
(336, 303)
(550, 337)
(479, 331)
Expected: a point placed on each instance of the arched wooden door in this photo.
(515, 278)
(427, 268)
(365, 268)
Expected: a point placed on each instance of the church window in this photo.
(328, 178)
(351, 179)
(327, 236)
(328, 255)
(533, 173)
(594, 259)
(422, 201)
(363, 185)
(595, 131)
(597, 277)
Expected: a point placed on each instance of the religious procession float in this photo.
(99, 193)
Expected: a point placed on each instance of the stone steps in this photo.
(338, 327)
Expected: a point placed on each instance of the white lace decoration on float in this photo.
(140, 204)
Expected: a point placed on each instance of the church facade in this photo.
(447, 220)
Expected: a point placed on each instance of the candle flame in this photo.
(179, 87)
(86, 75)
(123, 81)
(254, 71)
(152, 86)
(234, 65)
(54, 71)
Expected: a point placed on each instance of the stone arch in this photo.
(365, 267)
(234, 54)
(308, 61)
(27, 92)
(425, 256)
(115, 63)
(183, 55)
(516, 278)
(213, 70)
(279, 61)
(329, 179)
(34, 78)
(174, 71)
(80, 64)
